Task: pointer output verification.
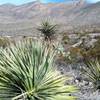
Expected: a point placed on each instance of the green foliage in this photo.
(93, 72)
(27, 72)
(48, 29)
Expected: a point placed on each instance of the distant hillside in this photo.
(75, 16)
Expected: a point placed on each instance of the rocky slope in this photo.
(71, 16)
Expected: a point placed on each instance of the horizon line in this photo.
(43, 2)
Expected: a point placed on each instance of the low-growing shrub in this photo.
(65, 39)
(92, 70)
(4, 42)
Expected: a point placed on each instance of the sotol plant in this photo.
(93, 72)
(27, 73)
(48, 29)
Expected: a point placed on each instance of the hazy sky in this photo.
(17, 2)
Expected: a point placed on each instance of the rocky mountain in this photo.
(74, 16)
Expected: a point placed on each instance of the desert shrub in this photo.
(91, 52)
(4, 42)
(47, 29)
(65, 39)
(92, 70)
(95, 50)
(75, 48)
(88, 48)
(71, 56)
(75, 54)
(27, 72)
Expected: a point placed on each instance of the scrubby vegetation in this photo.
(56, 60)
(92, 70)
(36, 68)
(4, 42)
(81, 47)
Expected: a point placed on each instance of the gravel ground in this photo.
(86, 91)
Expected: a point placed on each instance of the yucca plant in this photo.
(93, 72)
(27, 72)
(47, 29)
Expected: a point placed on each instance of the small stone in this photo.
(85, 83)
(79, 79)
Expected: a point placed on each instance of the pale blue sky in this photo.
(93, 1)
(17, 2)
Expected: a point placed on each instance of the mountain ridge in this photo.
(69, 15)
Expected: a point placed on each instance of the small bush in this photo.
(93, 72)
(65, 39)
(4, 42)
